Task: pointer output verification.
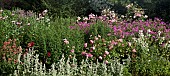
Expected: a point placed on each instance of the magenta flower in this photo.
(48, 54)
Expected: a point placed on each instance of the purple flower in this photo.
(72, 50)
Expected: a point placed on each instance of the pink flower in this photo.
(129, 44)
(31, 44)
(96, 38)
(93, 48)
(48, 54)
(110, 47)
(72, 50)
(106, 62)
(85, 45)
(120, 40)
(109, 34)
(89, 55)
(19, 23)
(83, 53)
(78, 18)
(66, 41)
(134, 50)
(122, 44)
(113, 42)
(106, 52)
(104, 55)
(91, 41)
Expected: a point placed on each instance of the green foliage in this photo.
(66, 66)
(115, 39)
(155, 8)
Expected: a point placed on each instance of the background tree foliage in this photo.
(69, 8)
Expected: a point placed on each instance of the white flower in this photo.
(78, 18)
(100, 57)
(149, 30)
(45, 11)
(145, 16)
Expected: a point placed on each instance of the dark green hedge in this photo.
(69, 8)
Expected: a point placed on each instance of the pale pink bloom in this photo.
(83, 53)
(106, 52)
(129, 44)
(113, 42)
(100, 57)
(134, 50)
(122, 44)
(99, 36)
(28, 24)
(106, 62)
(85, 18)
(113, 20)
(109, 34)
(104, 55)
(66, 41)
(12, 14)
(110, 47)
(89, 55)
(19, 23)
(96, 38)
(91, 16)
(138, 14)
(91, 41)
(72, 50)
(85, 45)
(93, 48)
(128, 6)
(100, 17)
(78, 18)
(120, 40)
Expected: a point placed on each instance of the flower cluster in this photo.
(10, 51)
